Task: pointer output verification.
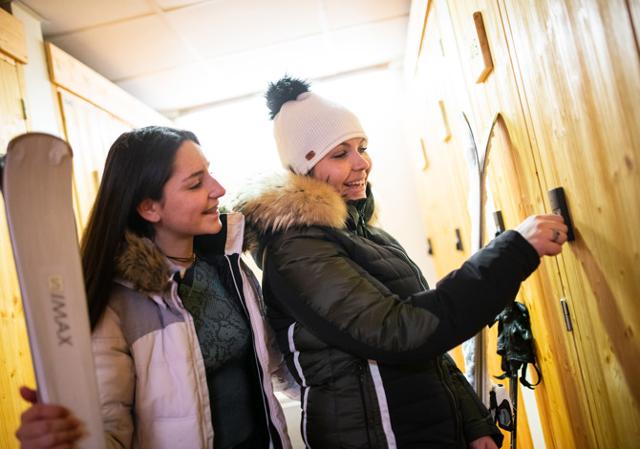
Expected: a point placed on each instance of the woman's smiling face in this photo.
(346, 167)
(189, 204)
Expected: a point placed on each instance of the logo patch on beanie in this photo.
(310, 155)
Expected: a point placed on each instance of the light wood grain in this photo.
(580, 73)
(12, 38)
(90, 131)
(15, 357)
(508, 168)
(437, 187)
(566, 79)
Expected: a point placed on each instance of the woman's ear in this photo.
(149, 210)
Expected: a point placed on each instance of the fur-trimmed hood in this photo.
(141, 264)
(285, 201)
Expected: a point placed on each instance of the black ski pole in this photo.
(513, 392)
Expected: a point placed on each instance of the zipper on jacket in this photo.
(259, 368)
(362, 226)
(452, 400)
(362, 372)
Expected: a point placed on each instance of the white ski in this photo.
(36, 185)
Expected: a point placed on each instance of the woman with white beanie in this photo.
(361, 331)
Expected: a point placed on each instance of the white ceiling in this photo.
(177, 55)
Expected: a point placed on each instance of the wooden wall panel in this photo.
(562, 353)
(442, 194)
(15, 357)
(579, 66)
(11, 97)
(634, 16)
(497, 94)
(90, 131)
(564, 406)
(446, 178)
(12, 39)
(564, 422)
(447, 185)
(566, 80)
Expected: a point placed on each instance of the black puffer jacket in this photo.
(360, 328)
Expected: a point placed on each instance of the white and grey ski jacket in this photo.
(151, 375)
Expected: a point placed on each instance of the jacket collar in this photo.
(360, 212)
(141, 265)
(284, 201)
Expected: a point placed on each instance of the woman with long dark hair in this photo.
(182, 354)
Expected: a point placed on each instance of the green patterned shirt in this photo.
(225, 340)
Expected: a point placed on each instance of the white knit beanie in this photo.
(306, 125)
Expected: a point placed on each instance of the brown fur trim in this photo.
(141, 263)
(286, 201)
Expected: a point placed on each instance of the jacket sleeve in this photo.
(116, 380)
(315, 280)
(471, 297)
(476, 419)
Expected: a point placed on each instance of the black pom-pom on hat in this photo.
(283, 90)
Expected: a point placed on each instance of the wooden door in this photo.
(564, 422)
(484, 100)
(579, 68)
(514, 187)
(15, 357)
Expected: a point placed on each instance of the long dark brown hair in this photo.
(138, 165)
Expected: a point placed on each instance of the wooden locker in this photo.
(445, 187)
(481, 104)
(15, 356)
(442, 192)
(579, 68)
(565, 419)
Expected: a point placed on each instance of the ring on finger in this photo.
(556, 235)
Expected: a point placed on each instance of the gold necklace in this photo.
(190, 259)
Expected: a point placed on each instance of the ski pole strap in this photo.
(515, 343)
(500, 409)
(523, 376)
